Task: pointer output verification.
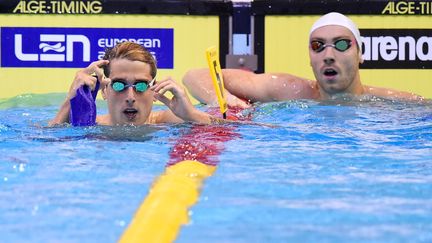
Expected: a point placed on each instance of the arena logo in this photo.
(63, 44)
(77, 47)
(397, 48)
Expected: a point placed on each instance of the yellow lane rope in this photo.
(165, 208)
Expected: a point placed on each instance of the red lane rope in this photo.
(205, 142)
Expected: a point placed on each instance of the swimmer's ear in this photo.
(361, 58)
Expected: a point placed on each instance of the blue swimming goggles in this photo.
(340, 45)
(119, 85)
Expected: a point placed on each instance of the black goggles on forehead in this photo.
(119, 85)
(340, 45)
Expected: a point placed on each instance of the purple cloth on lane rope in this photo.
(83, 106)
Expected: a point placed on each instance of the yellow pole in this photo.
(217, 78)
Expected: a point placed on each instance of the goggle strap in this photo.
(152, 82)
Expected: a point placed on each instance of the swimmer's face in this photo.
(336, 71)
(129, 106)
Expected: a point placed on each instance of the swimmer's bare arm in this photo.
(250, 86)
(392, 94)
(199, 84)
(82, 77)
(62, 115)
(268, 87)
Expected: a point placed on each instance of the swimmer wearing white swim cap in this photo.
(335, 54)
(334, 18)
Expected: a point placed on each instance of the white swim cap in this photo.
(334, 18)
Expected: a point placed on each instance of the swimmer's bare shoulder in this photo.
(288, 87)
(392, 94)
(103, 120)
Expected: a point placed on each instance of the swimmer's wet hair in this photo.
(130, 51)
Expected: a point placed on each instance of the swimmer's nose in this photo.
(329, 56)
(130, 99)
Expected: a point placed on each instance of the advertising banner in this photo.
(77, 47)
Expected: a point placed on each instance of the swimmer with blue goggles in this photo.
(139, 86)
(130, 65)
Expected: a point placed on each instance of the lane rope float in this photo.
(165, 208)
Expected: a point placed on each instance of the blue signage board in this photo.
(78, 47)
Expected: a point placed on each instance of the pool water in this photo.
(303, 171)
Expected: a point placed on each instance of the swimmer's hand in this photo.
(180, 103)
(86, 77)
(82, 77)
(234, 101)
